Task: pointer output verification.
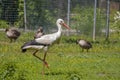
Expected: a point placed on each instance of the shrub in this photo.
(10, 71)
(3, 24)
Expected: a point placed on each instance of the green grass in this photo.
(66, 60)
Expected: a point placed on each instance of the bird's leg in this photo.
(43, 60)
(10, 40)
(87, 50)
(14, 40)
(45, 63)
(82, 49)
(34, 54)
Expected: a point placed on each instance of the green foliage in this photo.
(10, 71)
(115, 21)
(82, 19)
(3, 24)
(10, 10)
(20, 20)
(41, 15)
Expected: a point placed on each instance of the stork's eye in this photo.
(60, 22)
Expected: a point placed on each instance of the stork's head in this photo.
(62, 23)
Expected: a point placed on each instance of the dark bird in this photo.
(39, 33)
(12, 34)
(44, 42)
(84, 44)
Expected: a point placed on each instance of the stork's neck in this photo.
(58, 33)
(59, 28)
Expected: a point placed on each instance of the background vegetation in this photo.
(45, 13)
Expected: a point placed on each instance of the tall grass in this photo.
(66, 60)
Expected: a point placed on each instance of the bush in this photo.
(10, 71)
(115, 21)
(3, 24)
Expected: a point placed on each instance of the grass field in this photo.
(66, 60)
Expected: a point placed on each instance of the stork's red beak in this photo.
(66, 26)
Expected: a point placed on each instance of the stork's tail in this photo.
(27, 44)
(23, 50)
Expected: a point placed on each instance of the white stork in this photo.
(44, 42)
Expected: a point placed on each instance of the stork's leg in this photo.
(46, 64)
(43, 60)
(34, 54)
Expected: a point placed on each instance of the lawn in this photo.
(66, 60)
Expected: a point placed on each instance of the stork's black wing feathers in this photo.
(32, 42)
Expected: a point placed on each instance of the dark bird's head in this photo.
(39, 33)
(40, 29)
(77, 41)
(6, 29)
